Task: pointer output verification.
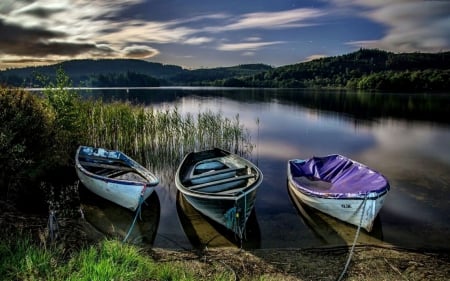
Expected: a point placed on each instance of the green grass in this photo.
(110, 260)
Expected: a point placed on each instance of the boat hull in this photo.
(123, 194)
(225, 210)
(332, 231)
(356, 211)
(114, 176)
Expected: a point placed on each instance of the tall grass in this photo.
(160, 138)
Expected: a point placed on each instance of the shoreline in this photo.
(369, 262)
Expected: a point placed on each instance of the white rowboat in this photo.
(114, 176)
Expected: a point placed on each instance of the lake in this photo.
(404, 136)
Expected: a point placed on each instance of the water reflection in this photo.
(115, 221)
(364, 106)
(203, 232)
(386, 132)
(334, 232)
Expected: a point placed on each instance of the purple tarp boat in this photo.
(339, 187)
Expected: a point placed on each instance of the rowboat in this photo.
(114, 176)
(220, 185)
(339, 187)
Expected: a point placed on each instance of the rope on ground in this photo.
(53, 228)
(356, 239)
(231, 269)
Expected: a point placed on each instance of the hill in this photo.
(126, 72)
(363, 69)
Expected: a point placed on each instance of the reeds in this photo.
(159, 138)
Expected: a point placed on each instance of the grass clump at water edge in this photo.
(109, 260)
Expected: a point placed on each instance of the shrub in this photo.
(25, 131)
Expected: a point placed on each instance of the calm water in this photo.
(404, 136)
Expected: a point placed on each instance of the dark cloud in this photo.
(39, 11)
(12, 34)
(21, 41)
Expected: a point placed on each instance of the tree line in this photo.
(368, 69)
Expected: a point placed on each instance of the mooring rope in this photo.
(232, 217)
(242, 231)
(356, 239)
(138, 213)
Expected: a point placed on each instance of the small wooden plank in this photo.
(105, 166)
(218, 172)
(243, 177)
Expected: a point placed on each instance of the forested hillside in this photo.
(126, 73)
(364, 69)
(95, 73)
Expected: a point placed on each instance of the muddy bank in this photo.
(368, 263)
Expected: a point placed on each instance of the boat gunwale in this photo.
(152, 180)
(209, 195)
(338, 196)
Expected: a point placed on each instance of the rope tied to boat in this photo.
(138, 213)
(363, 205)
(233, 216)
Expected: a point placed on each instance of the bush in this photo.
(38, 139)
(25, 133)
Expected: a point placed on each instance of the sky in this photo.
(209, 33)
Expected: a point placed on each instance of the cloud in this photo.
(61, 30)
(197, 40)
(413, 25)
(36, 30)
(314, 57)
(248, 54)
(272, 20)
(137, 51)
(40, 10)
(246, 46)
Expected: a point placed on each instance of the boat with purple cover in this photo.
(340, 187)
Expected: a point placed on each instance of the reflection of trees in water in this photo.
(362, 105)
